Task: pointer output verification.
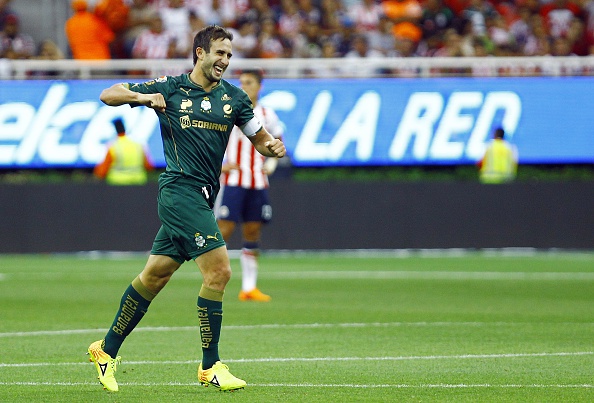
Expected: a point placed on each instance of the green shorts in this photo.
(188, 225)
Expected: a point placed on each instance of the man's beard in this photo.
(209, 74)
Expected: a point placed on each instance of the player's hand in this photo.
(276, 147)
(228, 167)
(155, 101)
(270, 165)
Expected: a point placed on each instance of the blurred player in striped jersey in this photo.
(244, 195)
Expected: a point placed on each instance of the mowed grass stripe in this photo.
(315, 385)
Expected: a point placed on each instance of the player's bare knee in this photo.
(161, 282)
(223, 274)
(251, 231)
(154, 283)
(217, 276)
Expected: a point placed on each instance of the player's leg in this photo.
(257, 211)
(249, 256)
(227, 227)
(207, 248)
(133, 305)
(250, 251)
(137, 298)
(229, 211)
(216, 272)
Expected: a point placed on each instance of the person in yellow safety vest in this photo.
(126, 162)
(500, 162)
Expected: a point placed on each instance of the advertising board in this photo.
(340, 122)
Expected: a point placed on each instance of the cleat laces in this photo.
(113, 363)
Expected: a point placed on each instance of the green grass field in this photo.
(469, 327)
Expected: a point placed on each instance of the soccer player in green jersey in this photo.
(197, 112)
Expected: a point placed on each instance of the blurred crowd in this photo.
(160, 29)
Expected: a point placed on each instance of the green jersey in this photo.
(196, 125)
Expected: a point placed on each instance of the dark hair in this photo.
(499, 133)
(119, 125)
(207, 35)
(257, 73)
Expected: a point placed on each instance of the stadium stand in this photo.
(405, 39)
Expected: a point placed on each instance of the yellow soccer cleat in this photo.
(220, 377)
(105, 365)
(254, 295)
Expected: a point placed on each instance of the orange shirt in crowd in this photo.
(114, 12)
(404, 14)
(88, 36)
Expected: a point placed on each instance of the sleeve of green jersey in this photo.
(246, 111)
(158, 85)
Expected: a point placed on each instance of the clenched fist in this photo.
(276, 147)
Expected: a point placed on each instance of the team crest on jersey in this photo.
(205, 105)
(161, 79)
(185, 121)
(226, 98)
(186, 105)
(200, 241)
(227, 109)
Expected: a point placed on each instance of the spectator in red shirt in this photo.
(558, 15)
(154, 42)
(290, 21)
(13, 43)
(5, 11)
(139, 18)
(366, 15)
(270, 44)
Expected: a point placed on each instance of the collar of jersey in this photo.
(198, 85)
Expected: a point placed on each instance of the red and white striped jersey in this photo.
(241, 151)
(152, 45)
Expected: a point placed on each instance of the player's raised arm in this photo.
(267, 145)
(119, 94)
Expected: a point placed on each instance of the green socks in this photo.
(133, 306)
(210, 316)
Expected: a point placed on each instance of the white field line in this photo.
(279, 326)
(322, 385)
(321, 359)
